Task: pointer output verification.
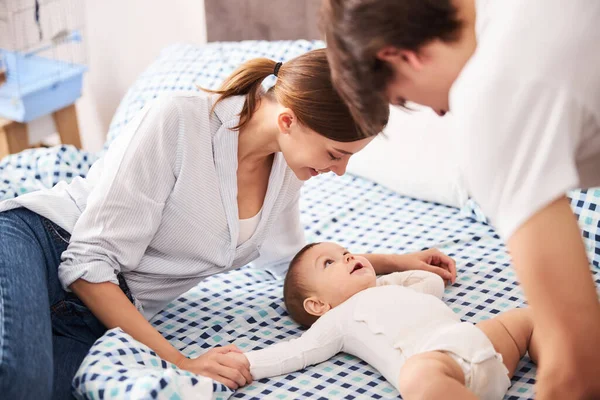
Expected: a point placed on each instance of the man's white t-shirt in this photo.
(528, 106)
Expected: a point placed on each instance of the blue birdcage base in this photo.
(37, 86)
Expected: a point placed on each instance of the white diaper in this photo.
(485, 373)
(487, 379)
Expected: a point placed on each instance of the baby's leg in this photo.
(433, 375)
(512, 335)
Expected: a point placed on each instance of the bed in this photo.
(245, 306)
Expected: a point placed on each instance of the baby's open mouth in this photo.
(357, 267)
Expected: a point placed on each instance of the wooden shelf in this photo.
(14, 137)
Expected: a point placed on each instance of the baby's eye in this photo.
(328, 262)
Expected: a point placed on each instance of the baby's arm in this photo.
(321, 342)
(421, 281)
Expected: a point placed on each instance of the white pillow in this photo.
(415, 157)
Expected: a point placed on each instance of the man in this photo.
(523, 79)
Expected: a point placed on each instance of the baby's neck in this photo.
(371, 285)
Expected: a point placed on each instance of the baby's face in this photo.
(334, 274)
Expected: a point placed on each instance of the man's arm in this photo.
(551, 262)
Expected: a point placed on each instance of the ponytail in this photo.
(246, 80)
(304, 85)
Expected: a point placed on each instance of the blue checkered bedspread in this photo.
(244, 306)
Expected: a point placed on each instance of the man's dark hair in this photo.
(355, 30)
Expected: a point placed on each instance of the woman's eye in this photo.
(334, 158)
(328, 262)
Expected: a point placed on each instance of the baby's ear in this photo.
(316, 307)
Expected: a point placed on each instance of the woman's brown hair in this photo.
(304, 85)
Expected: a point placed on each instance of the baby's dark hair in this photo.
(295, 292)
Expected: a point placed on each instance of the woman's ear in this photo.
(285, 120)
(316, 307)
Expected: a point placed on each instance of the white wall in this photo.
(123, 37)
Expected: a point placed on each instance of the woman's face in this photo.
(308, 153)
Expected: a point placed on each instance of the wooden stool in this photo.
(14, 137)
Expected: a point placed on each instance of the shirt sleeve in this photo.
(519, 146)
(124, 209)
(319, 343)
(283, 242)
(421, 281)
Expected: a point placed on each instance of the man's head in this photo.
(393, 51)
(322, 276)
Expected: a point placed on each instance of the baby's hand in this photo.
(239, 359)
(431, 260)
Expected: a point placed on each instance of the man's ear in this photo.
(399, 58)
(316, 307)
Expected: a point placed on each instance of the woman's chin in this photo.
(303, 174)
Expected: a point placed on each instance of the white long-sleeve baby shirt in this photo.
(383, 325)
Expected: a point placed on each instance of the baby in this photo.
(398, 324)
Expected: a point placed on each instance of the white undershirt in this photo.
(248, 227)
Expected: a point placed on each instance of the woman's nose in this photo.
(340, 168)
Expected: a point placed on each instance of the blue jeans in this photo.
(45, 332)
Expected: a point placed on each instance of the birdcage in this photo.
(42, 56)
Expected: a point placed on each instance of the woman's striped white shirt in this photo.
(161, 206)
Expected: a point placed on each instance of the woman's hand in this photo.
(219, 365)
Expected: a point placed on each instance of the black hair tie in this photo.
(277, 66)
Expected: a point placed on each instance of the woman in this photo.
(199, 184)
